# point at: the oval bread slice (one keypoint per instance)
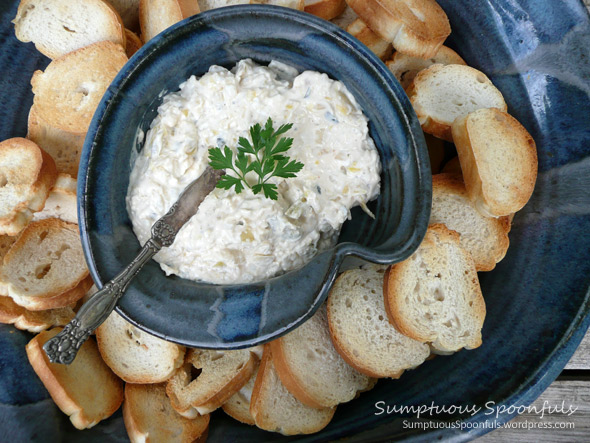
(68, 92)
(61, 202)
(157, 15)
(275, 409)
(310, 367)
(360, 330)
(442, 93)
(217, 376)
(499, 161)
(434, 296)
(33, 321)
(414, 27)
(45, 262)
(86, 390)
(149, 417)
(58, 27)
(63, 146)
(405, 67)
(135, 355)
(486, 238)
(27, 174)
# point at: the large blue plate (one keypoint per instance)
(538, 53)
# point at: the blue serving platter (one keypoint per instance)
(538, 54)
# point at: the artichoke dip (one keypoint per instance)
(240, 238)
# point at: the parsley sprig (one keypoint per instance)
(264, 156)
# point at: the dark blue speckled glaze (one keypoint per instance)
(537, 53)
(221, 316)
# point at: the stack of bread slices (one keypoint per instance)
(378, 321)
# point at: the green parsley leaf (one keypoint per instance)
(264, 156)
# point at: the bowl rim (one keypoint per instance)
(407, 117)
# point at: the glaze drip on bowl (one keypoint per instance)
(240, 238)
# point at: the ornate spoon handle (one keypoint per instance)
(64, 346)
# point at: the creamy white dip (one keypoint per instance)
(238, 238)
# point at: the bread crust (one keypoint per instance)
(371, 40)
(414, 27)
(152, 22)
(287, 377)
(59, 301)
(61, 393)
(21, 318)
(326, 9)
(133, 43)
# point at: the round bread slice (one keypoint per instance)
(381, 48)
(61, 202)
(27, 173)
(73, 296)
(135, 355)
(326, 9)
(442, 93)
(238, 405)
(360, 330)
(46, 262)
(86, 390)
(63, 146)
(33, 321)
(310, 367)
(434, 296)
(157, 15)
(499, 161)
(486, 238)
(58, 27)
(405, 67)
(415, 27)
(149, 417)
(275, 409)
(6, 242)
(68, 92)
(208, 379)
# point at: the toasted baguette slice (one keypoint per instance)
(205, 5)
(376, 44)
(27, 173)
(414, 27)
(33, 321)
(189, 7)
(86, 390)
(346, 18)
(326, 9)
(222, 374)
(293, 4)
(128, 11)
(405, 67)
(275, 409)
(134, 355)
(442, 93)
(61, 202)
(133, 43)
(499, 161)
(46, 261)
(434, 296)
(157, 15)
(452, 167)
(63, 146)
(310, 367)
(486, 238)
(69, 90)
(238, 405)
(360, 330)
(73, 296)
(149, 417)
(58, 27)
(6, 242)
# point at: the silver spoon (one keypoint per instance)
(64, 346)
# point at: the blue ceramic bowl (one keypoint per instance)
(538, 54)
(232, 316)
